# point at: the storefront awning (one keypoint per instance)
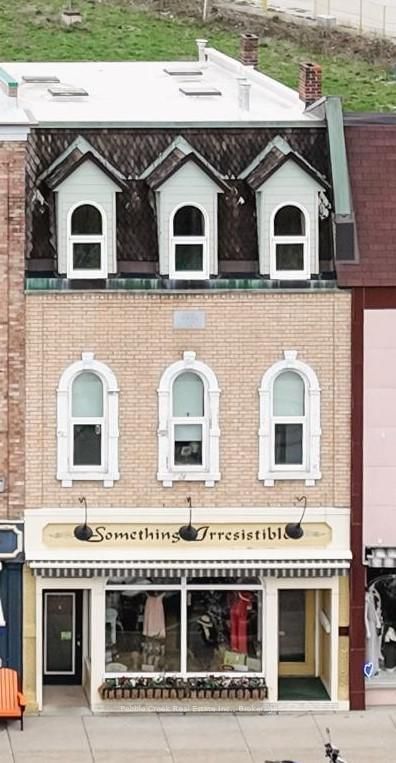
(306, 568)
(381, 557)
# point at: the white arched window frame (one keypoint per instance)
(107, 470)
(276, 240)
(208, 471)
(73, 239)
(189, 241)
(309, 470)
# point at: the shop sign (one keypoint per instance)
(230, 535)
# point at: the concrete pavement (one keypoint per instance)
(200, 738)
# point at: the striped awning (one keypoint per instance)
(306, 568)
(381, 557)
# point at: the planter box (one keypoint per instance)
(109, 692)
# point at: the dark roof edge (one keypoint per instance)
(369, 118)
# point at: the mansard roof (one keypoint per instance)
(79, 151)
(172, 159)
(272, 158)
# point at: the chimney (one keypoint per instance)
(244, 93)
(310, 82)
(201, 45)
(248, 54)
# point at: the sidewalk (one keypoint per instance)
(363, 738)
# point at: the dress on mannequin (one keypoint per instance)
(154, 617)
(239, 621)
(389, 649)
(373, 622)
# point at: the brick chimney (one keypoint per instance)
(248, 54)
(310, 82)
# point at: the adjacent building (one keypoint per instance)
(187, 517)
(14, 127)
(371, 147)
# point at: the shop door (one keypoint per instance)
(62, 629)
(296, 632)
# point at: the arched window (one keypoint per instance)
(288, 419)
(87, 420)
(289, 422)
(189, 239)
(87, 423)
(289, 243)
(188, 420)
(86, 251)
(188, 432)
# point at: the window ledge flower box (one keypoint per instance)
(211, 687)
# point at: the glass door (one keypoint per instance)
(62, 658)
(296, 632)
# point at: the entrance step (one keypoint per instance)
(58, 700)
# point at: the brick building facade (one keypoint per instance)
(188, 365)
(12, 387)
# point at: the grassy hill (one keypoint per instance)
(33, 31)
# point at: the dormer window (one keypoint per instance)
(290, 201)
(87, 257)
(85, 185)
(189, 243)
(289, 243)
(186, 191)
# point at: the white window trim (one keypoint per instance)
(288, 275)
(209, 471)
(102, 272)
(108, 471)
(189, 275)
(310, 472)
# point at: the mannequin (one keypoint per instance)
(239, 621)
(154, 616)
(374, 626)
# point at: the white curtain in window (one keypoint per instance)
(289, 395)
(87, 396)
(188, 395)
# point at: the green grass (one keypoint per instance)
(33, 32)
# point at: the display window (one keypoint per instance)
(380, 623)
(184, 628)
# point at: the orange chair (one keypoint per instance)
(12, 701)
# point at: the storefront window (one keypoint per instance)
(380, 621)
(142, 631)
(144, 627)
(223, 631)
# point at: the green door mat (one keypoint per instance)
(301, 689)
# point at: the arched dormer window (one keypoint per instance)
(289, 257)
(289, 435)
(86, 256)
(87, 413)
(189, 242)
(188, 432)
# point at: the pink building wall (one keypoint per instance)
(379, 417)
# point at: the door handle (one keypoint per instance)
(282, 633)
(78, 642)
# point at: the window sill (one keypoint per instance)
(108, 478)
(269, 478)
(209, 478)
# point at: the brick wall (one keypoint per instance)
(133, 333)
(12, 327)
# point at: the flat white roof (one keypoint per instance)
(142, 93)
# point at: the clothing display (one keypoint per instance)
(239, 621)
(154, 617)
(373, 623)
(380, 622)
(389, 649)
